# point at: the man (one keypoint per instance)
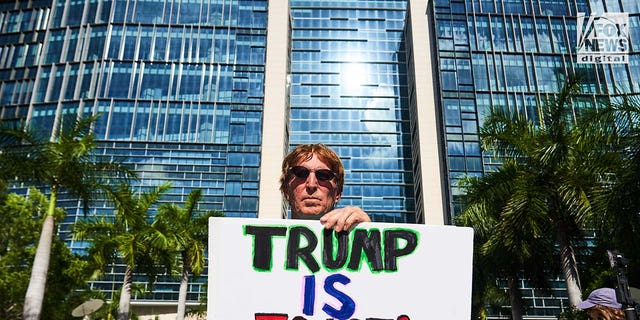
(311, 181)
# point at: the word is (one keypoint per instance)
(381, 248)
(279, 316)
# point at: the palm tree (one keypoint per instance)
(186, 229)
(65, 161)
(127, 235)
(620, 204)
(509, 241)
(559, 166)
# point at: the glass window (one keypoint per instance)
(449, 80)
(74, 13)
(114, 42)
(130, 42)
(456, 164)
(445, 34)
(612, 5)
(471, 33)
(472, 148)
(544, 40)
(121, 121)
(173, 123)
(554, 7)
(96, 42)
(175, 43)
(634, 30)
(499, 77)
(452, 112)
(499, 38)
(634, 66)
(141, 125)
(146, 40)
(558, 35)
(54, 49)
(92, 11)
(474, 164)
(72, 42)
(480, 76)
(517, 37)
(54, 94)
(531, 107)
(469, 126)
(72, 73)
(155, 81)
(631, 5)
(455, 148)
(513, 6)
(87, 75)
(483, 33)
(621, 77)
(43, 116)
(189, 12)
(120, 77)
(517, 74)
(528, 34)
(547, 72)
(7, 93)
(460, 32)
(464, 71)
(149, 11)
(488, 6)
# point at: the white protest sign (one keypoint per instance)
(262, 269)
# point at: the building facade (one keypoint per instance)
(211, 94)
(512, 55)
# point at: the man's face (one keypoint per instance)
(311, 197)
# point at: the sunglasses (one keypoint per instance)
(321, 174)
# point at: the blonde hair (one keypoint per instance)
(599, 312)
(306, 152)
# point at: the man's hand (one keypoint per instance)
(343, 219)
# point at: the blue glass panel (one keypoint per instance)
(499, 37)
(120, 77)
(121, 121)
(455, 148)
(544, 39)
(149, 11)
(54, 49)
(74, 13)
(480, 76)
(96, 42)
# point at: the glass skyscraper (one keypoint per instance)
(348, 90)
(211, 94)
(512, 55)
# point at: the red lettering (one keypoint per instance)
(271, 316)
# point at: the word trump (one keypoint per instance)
(381, 248)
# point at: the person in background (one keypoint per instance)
(311, 181)
(603, 305)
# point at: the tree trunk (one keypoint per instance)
(184, 282)
(125, 296)
(514, 298)
(37, 283)
(569, 268)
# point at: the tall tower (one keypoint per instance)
(349, 91)
(512, 55)
(180, 86)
